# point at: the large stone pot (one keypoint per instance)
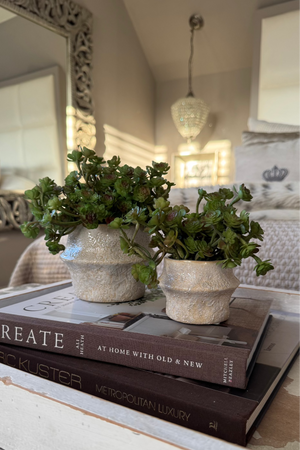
(100, 271)
(197, 292)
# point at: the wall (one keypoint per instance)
(124, 87)
(226, 93)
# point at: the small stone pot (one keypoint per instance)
(100, 271)
(197, 292)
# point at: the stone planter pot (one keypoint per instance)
(100, 271)
(197, 292)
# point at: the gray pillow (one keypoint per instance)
(252, 137)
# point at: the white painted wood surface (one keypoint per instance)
(39, 415)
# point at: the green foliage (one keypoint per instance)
(217, 233)
(98, 192)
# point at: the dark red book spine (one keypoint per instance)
(193, 406)
(206, 362)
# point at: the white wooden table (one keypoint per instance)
(39, 415)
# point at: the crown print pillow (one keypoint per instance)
(271, 162)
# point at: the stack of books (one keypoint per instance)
(216, 379)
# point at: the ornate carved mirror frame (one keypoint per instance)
(73, 22)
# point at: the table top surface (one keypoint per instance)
(45, 415)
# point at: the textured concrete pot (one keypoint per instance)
(197, 292)
(100, 271)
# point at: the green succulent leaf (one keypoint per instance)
(263, 267)
(108, 179)
(126, 171)
(249, 249)
(229, 264)
(226, 193)
(55, 247)
(140, 173)
(159, 168)
(37, 211)
(256, 232)
(114, 162)
(124, 245)
(161, 203)
(156, 182)
(174, 217)
(170, 238)
(244, 193)
(145, 274)
(232, 220)
(72, 178)
(141, 193)
(87, 153)
(125, 206)
(229, 236)
(46, 220)
(204, 250)
(193, 224)
(30, 230)
(33, 194)
(75, 156)
(47, 185)
(191, 244)
(54, 203)
(212, 217)
(123, 186)
(116, 223)
(137, 215)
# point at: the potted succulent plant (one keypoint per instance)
(202, 248)
(95, 194)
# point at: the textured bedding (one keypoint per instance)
(266, 196)
(277, 207)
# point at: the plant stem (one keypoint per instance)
(184, 247)
(140, 253)
(137, 227)
(234, 200)
(68, 213)
(160, 259)
(57, 222)
(213, 236)
(198, 203)
(257, 259)
(145, 251)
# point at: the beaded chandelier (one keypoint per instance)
(190, 114)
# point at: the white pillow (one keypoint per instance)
(263, 126)
(279, 158)
(15, 183)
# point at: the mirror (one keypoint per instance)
(45, 93)
(275, 85)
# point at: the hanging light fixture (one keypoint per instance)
(190, 114)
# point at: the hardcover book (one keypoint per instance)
(223, 412)
(137, 334)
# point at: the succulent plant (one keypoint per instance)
(98, 192)
(217, 233)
